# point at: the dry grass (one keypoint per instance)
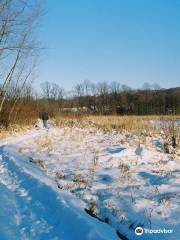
(13, 130)
(122, 123)
(68, 120)
(129, 123)
(133, 124)
(44, 142)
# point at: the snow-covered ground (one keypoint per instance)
(32, 206)
(125, 180)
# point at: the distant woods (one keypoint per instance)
(113, 98)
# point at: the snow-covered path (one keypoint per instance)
(33, 207)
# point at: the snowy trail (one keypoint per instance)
(32, 207)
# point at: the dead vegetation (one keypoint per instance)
(13, 130)
(167, 127)
(44, 142)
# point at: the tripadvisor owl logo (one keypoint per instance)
(139, 231)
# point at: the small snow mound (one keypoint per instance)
(38, 123)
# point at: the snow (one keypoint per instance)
(48, 177)
(33, 207)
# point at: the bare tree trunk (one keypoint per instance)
(18, 97)
(17, 19)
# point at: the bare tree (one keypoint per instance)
(115, 88)
(103, 94)
(17, 44)
(46, 90)
(79, 93)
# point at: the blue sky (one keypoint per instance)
(129, 41)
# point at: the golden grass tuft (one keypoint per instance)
(13, 130)
(44, 142)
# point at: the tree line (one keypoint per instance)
(114, 98)
(88, 98)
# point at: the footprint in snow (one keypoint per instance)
(115, 149)
(105, 178)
